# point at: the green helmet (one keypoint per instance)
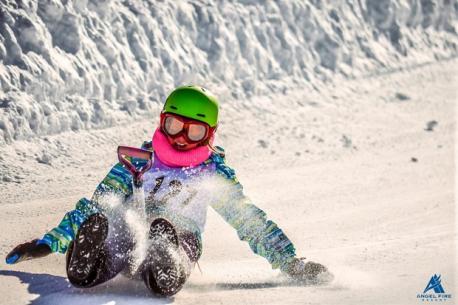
(193, 102)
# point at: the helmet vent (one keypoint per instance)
(174, 108)
(201, 115)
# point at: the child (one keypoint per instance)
(98, 248)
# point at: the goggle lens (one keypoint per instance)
(173, 126)
(196, 132)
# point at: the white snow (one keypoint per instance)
(338, 117)
(72, 65)
(382, 223)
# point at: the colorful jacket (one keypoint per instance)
(264, 237)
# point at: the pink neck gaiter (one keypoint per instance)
(176, 158)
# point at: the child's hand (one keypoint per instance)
(26, 251)
(308, 273)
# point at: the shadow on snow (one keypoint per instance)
(52, 289)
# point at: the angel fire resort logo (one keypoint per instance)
(434, 291)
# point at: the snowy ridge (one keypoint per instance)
(70, 65)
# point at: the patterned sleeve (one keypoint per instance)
(118, 180)
(264, 237)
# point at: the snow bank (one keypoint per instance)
(70, 65)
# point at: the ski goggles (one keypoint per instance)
(193, 131)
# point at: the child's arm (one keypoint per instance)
(118, 180)
(264, 237)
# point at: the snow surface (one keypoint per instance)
(354, 176)
(72, 65)
(338, 116)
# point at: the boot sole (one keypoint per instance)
(86, 248)
(161, 230)
(163, 276)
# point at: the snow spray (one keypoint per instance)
(136, 217)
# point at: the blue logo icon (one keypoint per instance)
(435, 283)
(434, 291)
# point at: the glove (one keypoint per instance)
(307, 272)
(26, 251)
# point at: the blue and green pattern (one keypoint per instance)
(118, 180)
(263, 236)
(59, 238)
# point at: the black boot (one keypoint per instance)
(163, 272)
(86, 255)
(191, 245)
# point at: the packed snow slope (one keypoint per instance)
(71, 65)
(360, 177)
